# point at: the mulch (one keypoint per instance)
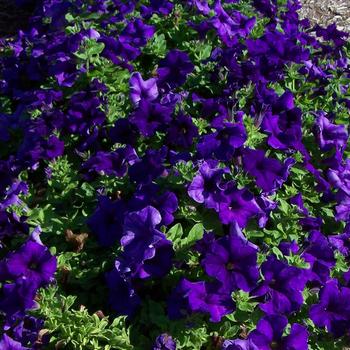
(325, 12)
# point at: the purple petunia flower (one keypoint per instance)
(164, 342)
(140, 234)
(12, 194)
(223, 143)
(230, 26)
(109, 163)
(124, 131)
(207, 186)
(269, 334)
(32, 261)
(7, 343)
(53, 148)
(166, 203)
(107, 221)
(232, 260)
(17, 297)
(11, 224)
(136, 33)
(181, 131)
(319, 254)
(239, 344)
(150, 117)
(281, 288)
(329, 135)
(157, 266)
(333, 310)
(142, 89)
(149, 167)
(174, 68)
(207, 298)
(269, 173)
(122, 296)
(238, 205)
(341, 241)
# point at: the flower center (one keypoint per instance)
(274, 345)
(230, 266)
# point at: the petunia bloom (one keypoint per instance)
(107, 221)
(333, 310)
(142, 89)
(329, 135)
(269, 173)
(232, 260)
(32, 261)
(174, 68)
(164, 342)
(207, 186)
(281, 288)
(223, 143)
(238, 205)
(207, 298)
(269, 334)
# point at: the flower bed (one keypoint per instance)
(174, 175)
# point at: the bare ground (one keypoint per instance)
(325, 12)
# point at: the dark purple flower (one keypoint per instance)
(207, 186)
(269, 334)
(12, 194)
(181, 131)
(230, 26)
(107, 221)
(164, 342)
(166, 203)
(155, 267)
(269, 173)
(333, 310)
(142, 89)
(122, 296)
(109, 163)
(136, 33)
(32, 261)
(232, 260)
(281, 288)
(319, 254)
(150, 117)
(341, 242)
(53, 148)
(18, 297)
(298, 201)
(12, 225)
(7, 343)
(120, 53)
(207, 298)
(238, 205)
(84, 111)
(140, 234)
(174, 68)
(239, 344)
(332, 33)
(149, 167)
(123, 131)
(222, 143)
(267, 205)
(161, 7)
(329, 135)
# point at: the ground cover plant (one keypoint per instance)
(174, 175)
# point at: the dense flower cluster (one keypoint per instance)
(203, 147)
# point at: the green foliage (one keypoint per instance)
(77, 329)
